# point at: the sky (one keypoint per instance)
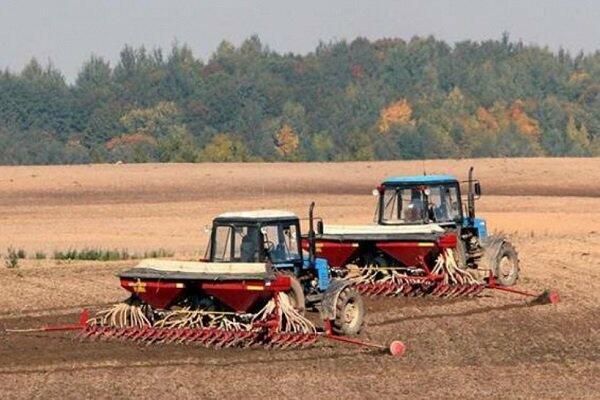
(68, 32)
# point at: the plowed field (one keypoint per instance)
(492, 346)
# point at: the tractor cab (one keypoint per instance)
(256, 236)
(274, 237)
(268, 236)
(426, 199)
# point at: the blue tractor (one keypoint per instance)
(274, 237)
(437, 200)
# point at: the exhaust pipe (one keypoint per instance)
(311, 234)
(471, 196)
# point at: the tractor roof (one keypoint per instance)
(257, 215)
(419, 179)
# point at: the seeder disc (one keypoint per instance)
(397, 348)
(554, 297)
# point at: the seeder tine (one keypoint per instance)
(216, 335)
(416, 291)
(479, 289)
(117, 333)
(384, 290)
(301, 339)
(449, 290)
(139, 334)
(225, 338)
(87, 332)
(402, 289)
(453, 290)
(247, 338)
(181, 332)
(236, 337)
(441, 290)
(290, 340)
(391, 290)
(375, 290)
(171, 335)
(278, 341)
(272, 341)
(147, 335)
(475, 290)
(185, 335)
(129, 333)
(106, 334)
(193, 335)
(298, 340)
(472, 290)
(463, 290)
(309, 340)
(203, 336)
(460, 290)
(102, 333)
(123, 333)
(378, 290)
(154, 336)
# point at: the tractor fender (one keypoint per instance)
(330, 297)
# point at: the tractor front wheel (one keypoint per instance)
(349, 312)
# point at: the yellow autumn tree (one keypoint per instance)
(501, 116)
(526, 125)
(286, 141)
(578, 77)
(155, 121)
(486, 119)
(578, 137)
(397, 113)
(224, 148)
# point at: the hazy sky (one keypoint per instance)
(68, 31)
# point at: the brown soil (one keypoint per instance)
(496, 345)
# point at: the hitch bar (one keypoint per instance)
(545, 297)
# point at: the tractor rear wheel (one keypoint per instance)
(506, 265)
(349, 312)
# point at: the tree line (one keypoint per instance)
(358, 100)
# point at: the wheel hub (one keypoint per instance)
(506, 267)
(350, 312)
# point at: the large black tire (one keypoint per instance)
(506, 265)
(296, 293)
(349, 312)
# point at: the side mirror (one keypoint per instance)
(319, 227)
(477, 188)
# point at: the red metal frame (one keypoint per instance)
(551, 296)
